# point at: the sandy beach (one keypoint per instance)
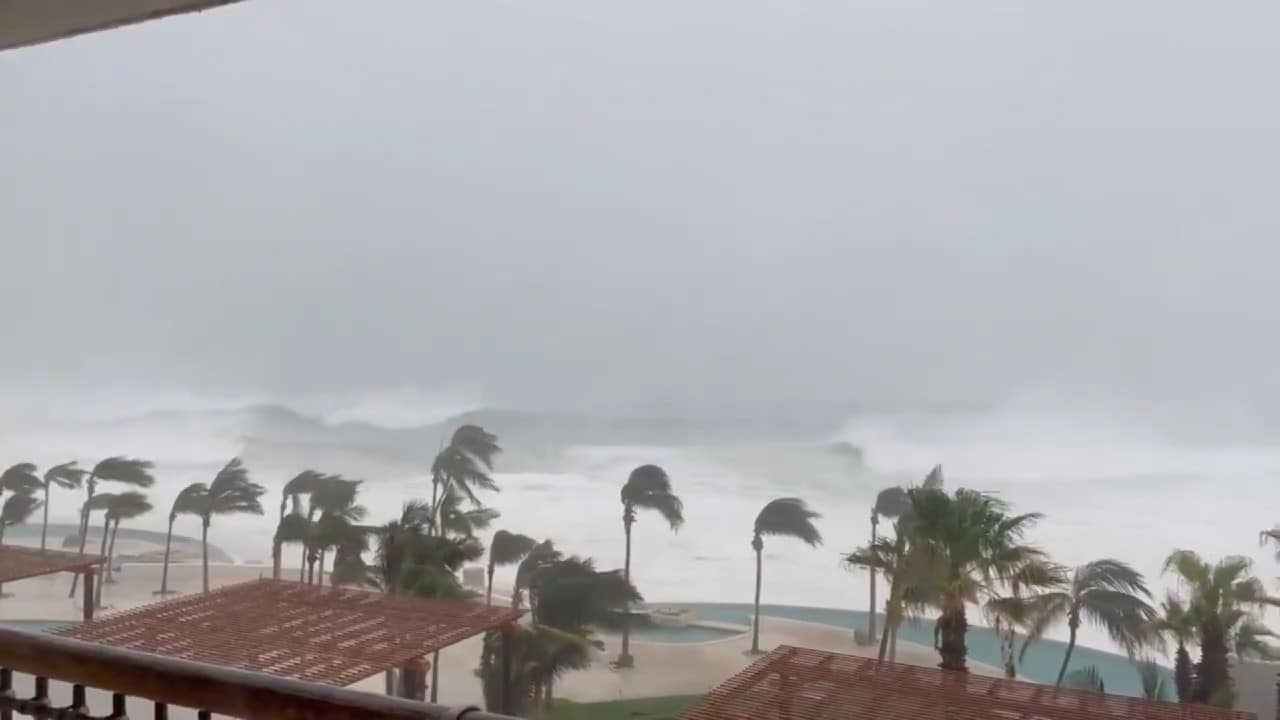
(661, 668)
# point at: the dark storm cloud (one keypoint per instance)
(718, 205)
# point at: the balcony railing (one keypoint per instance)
(165, 682)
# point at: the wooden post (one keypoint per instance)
(89, 599)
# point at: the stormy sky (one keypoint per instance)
(738, 205)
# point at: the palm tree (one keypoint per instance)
(118, 506)
(465, 464)
(291, 526)
(544, 553)
(539, 655)
(1223, 599)
(17, 509)
(1107, 593)
(968, 546)
(190, 501)
(648, 487)
(785, 517)
(891, 502)
(1176, 623)
(66, 476)
(506, 548)
(20, 479)
(1021, 607)
(332, 508)
(130, 471)
(230, 493)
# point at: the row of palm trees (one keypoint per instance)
(950, 551)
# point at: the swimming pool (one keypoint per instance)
(1040, 664)
(688, 634)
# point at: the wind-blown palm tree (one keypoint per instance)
(464, 464)
(130, 471)
(190, 501)
(506, 548)
(17, 509)
(1176, 623)
(20, 479)
(544, 553)
(968, 546)
(647, 488)
(292, 524)
(784, 517)
(1108, 593)
(117, 507)
(1154, 686)
(230, 493)
(1033, 589)
(1222, 598)
(892, 503)
(332, 511)
(461, 522)
(66, 476)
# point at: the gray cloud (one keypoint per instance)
(732, 206)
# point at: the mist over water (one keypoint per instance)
(1110, 484)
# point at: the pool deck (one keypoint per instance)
(662, 668)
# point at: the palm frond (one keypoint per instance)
(66, 476)
(1154, 686)
(1251, 641)
(508, 548)
(892, 502)
(191, 500)
(789, 517)
(17, 509)
(127, 505)
(21, 478)
(130, 471)
(1086, 678)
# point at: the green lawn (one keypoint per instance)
(659, 708)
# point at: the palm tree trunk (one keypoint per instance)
(1183, 676)
(276, 548)
(1072, 626)
(204, 554)
(952, 627)
(2, 528)
(320, 572)
(102, 552)
(624, 658)
(893, 641)
(111, 551)
(302, 565)
(84, 532)
(1214, 674)
(890, 627)
(44, 527)
(755, 619)
(871, 615)
(488, 592)
(168, 544)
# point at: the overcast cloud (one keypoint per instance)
(703, 206)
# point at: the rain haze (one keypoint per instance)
(1035, 243)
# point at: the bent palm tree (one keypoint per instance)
(892, 503)
(1107, 593)
(190, 501)
(506, 548)
(332, 507)
(118, 506)
(542, 554)
(230, 493)
(784, 517)
(304, 483)
(647, 488)
(66, 476)
(16, 510)
(130, 471)
(1022, 607)
(1222, 599)
(459, 522)
(464, 464)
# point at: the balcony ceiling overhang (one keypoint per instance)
(31, 22)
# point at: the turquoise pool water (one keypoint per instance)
(657, 633)
(1040, 664)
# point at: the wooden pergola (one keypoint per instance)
(793, 683)
(332, 636)
(20, 563)
(30, 22)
